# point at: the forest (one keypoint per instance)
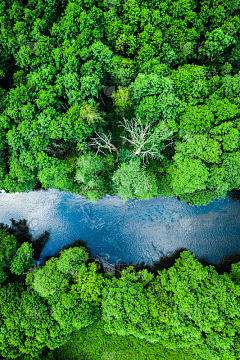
(134, 98)
(68, 309)
(131, 98)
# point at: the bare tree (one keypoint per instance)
(103, 141)
(140, 138)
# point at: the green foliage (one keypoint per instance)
(124, 155)
(132, 181)
(108, 162)
(121, 100)
(125, 307)
(194, 302)
(235, 272)
(23, 259)
(89, 285)
(209, 132)
(8, 250)
(2, 172)
(176, 62)
(71, 163)
(217, 42)
(48, 281)
(54, 176)
(72, 261)
(191, 83)
(203, 197)
(154, 97)
(89, 114)
(71, 288)
(88, 166)
(26, 323)
(187, 310)
(94, 343)
(196, 119)
(19, 78)
(88, 172)
(188, 174)
(122, 70)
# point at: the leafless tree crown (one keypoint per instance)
(139, 138)
(103, 141)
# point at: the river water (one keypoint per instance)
(125, 232)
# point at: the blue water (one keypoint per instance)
(144, 231)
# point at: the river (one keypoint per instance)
(125, 232)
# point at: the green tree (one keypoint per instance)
(187, 174)
(194, 303)
(23, 259)
(72, 261)
(216, 43)
(88, 173)
(48, 280)
(26, 324)
(191, 83)
(56, 57)
(71, 288)
(52, 172)
(125, 307)
(89, 114)
(121, 100)
(155, 98)
(131, 180)
(8, 250)
(3, 172)
(89, 285)
(200, 168)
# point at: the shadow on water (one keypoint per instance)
(20, 229)
(234, 195)
(38, 187)
(165, 262)
(76, 243)
(224, 265)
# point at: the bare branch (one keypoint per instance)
(103, 141)
(140, 138)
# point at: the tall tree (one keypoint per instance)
(131, 180)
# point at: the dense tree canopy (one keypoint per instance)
(41, 306)
(172, 62)
(173, 65)
(187, 308)
(187, 305)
